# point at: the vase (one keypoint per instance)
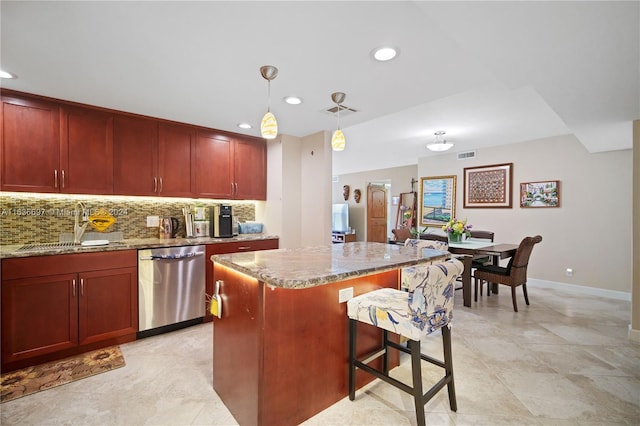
(455, 238)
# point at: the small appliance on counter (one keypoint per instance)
(221, 217)
(168, 227)
(201, 218)
(188, 221)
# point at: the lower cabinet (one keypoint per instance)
(56, 306)
(231, 247)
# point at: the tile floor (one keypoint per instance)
(564, 360)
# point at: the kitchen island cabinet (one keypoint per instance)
(56, 306)
(280, 351)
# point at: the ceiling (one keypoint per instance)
(487, 73)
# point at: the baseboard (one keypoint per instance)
(634, 335)
(612, 294)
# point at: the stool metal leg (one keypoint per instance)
(385, 356)
(448, 367)
(353, 324)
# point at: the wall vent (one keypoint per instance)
(466, 155)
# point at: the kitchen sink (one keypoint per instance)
(47, 246)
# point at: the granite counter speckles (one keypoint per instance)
(15, 250)
(313, 266)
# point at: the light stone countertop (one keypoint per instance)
(313, 266)
(16, 250)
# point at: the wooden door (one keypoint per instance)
(213, 170)
(135, 159)
(176, 154)
(39, 316)
(376, 213)
(108, 304)
(29, 145)
(250, 170)
(86, 151)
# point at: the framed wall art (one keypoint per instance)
(540, 194)
(437, 200)
(488, 186)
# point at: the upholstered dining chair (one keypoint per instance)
(425, 308)
(513, 275)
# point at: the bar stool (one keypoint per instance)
(425, 308)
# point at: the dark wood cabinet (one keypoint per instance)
(176, 160)
(30, 145)
(55, 306)
(231, 168)
(231, 247)
(135, 162)
(86, 148)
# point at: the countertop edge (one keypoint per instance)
(13, 251)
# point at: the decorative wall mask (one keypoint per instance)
(345, 192)
(356, 195)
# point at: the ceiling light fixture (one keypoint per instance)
(5, 74)
(293, 100)
(338, 141)
(383, 54)
(439, 144)
(269, 124)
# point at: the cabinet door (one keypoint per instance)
(108, 304)
(29, 145)
(250, 170)
(214, 173)
(87, 152)
(39, 316)
(135, 160)
(176, 154)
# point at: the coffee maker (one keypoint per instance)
(221, 221)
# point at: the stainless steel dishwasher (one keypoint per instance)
(171, 288)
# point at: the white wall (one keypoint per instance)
(591, 230)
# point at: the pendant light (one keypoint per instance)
(439, 144)
(269, 125)
(338, 141)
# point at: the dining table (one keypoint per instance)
(476, 247)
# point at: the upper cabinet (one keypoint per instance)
(230, 168)
(56, 146)
(86, 151)
(30, 145)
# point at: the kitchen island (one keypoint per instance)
(280, 348)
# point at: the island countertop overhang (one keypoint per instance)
(318, 265)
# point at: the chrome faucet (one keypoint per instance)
(78, 230)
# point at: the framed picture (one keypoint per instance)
(437, 200)
(488, 186)
(540, 194)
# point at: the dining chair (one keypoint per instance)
(435, 237)
(413, 314)
(401, 234)
(513, 275)
(479, 260)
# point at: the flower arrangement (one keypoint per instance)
(455, 228)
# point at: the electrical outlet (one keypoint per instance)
(569, 272)
(153, 221)
(345, 294)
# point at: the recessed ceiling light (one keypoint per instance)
(293, 100)
(5, 74)
(384, 53)
(244, 125)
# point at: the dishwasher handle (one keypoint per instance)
(172, 256)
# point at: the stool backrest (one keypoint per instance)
(431, 289)
(432, 244)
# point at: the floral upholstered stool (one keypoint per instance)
(425, 308)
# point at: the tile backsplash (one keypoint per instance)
(41, 218)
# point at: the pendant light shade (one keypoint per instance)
(439, 144)
(269, 124)
(338, 141)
